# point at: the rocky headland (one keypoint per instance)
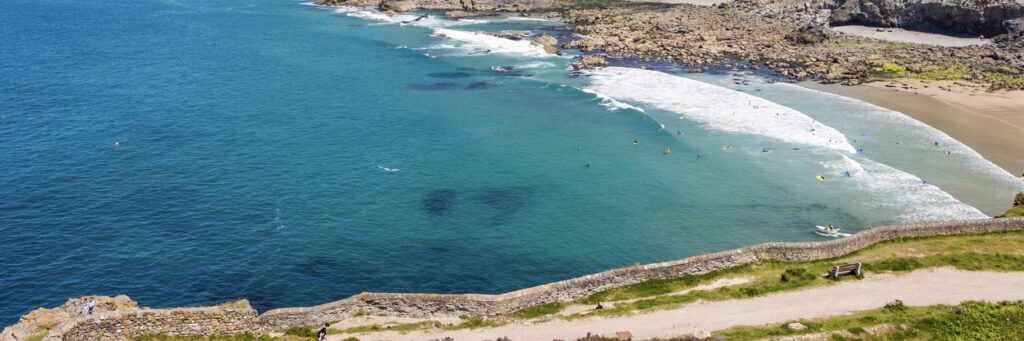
(795, 39)
(792, 37)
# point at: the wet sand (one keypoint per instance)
(990, 123)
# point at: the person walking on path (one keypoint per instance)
(322, 334)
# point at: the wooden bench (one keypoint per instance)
(844, 270)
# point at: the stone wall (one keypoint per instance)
(425, 305)
(239, 317)
(232, 318)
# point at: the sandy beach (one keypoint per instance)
(908, 36)
(990, 123)
(919, 288)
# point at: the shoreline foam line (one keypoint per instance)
(716, 107)
(981, 162)
(723, 109)
(891, 187)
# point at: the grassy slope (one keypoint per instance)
(997, 251)
(967, 321)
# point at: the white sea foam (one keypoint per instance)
(879, 116)
(612, 104)
(715, 107)
(431, 21)
(891, 188)
(526, 19)
(470, 43)
(871, 184)
(536, 65)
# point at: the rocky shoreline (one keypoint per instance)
(791, 37)
(796, 41)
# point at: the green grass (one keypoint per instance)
(301, 332)
(397, 327)
(967, 321)
(978, 252)
(540, 310)
(889, 69)
(239, 337)
(994, 251)
(38, 336)
(471, 322)
(1017, 210)
(1008, 78)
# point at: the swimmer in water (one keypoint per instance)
(668, 150)
(679, 132)
(117, 144)
(846, 174)
(636, 142)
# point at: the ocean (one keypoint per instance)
(189, 152)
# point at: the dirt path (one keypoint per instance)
(913, 37)
(919, 288)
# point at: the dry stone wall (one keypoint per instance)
(425, 305)
(239, 317)
(232, 318)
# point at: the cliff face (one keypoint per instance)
(987, 17)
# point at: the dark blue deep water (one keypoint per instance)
(293, 155)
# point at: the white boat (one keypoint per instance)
(830, 231)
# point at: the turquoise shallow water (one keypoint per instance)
(292, 155)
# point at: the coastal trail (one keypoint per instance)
(940, 286)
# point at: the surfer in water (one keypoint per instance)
(636, 142)
(117, 144)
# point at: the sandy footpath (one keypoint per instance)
(990, 123)
(913, 37)
(919, 288)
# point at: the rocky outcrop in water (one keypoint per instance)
(547, 42)
(589, 62)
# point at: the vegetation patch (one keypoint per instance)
(977, 252)
(239, 337)
(967, 321)
(540, 310)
